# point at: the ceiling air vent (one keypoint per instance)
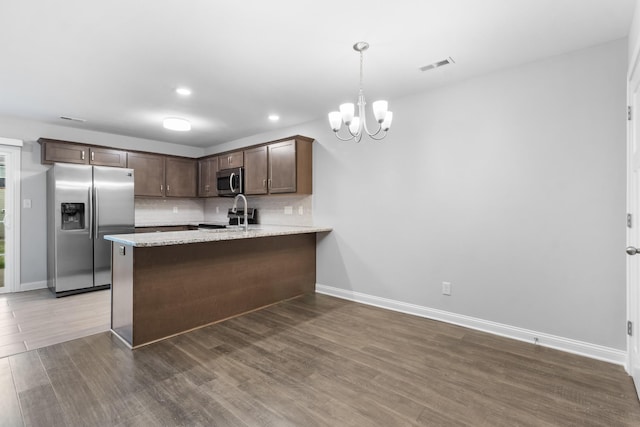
(73, 119)
(438, 64)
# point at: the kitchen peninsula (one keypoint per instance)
(165, 284)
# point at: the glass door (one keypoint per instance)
(3, 213)
(10, 150)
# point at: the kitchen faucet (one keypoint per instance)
(234, 209)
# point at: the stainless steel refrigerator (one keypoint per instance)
(84, 203)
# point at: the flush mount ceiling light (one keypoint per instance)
(274, 117)
(175, 123)
(184, 91)
(357, 126)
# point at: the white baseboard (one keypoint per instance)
(22, 287)
(594, 351)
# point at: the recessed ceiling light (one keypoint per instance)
(175, 123)
(184, 91)
(274, 117)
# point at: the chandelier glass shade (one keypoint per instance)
(357, 125)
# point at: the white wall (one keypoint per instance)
(511, 186)
(33, 237)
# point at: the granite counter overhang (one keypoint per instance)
(200, 236)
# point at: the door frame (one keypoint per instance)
(12, 149)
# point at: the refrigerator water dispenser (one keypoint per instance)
(72, 216)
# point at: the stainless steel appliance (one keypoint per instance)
(84, 203)
(229, 182)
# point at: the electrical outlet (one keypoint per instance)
(217, 209)
(300, 210)
(26, 203)
(288, 210)
(446, 288)
(175, 209)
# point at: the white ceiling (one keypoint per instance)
(117, 63)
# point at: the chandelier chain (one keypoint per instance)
(361, 68)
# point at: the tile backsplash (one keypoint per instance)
(150, 212)
(276, 210)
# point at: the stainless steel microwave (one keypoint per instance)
(230, 182)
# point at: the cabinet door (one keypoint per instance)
(66, 153)
(255, 170)
(181, 177)
(148, 173)
(282, 167)
(107, 157)
(231, 160)
(207, 169)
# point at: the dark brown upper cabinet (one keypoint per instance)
(280, 167)
(231, 160)
(180, 177)
(66, 152)
(54, 150)
(107, 157)
(157, 176)
(148, 172)
(207, 169)
(255, 170)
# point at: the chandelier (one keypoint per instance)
(357, 125)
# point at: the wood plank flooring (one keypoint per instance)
(35, 319)
(314, 361)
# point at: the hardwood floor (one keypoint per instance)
(314, 361)
(34, 319)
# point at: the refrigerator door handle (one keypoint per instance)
(90, 214)
(97, 220)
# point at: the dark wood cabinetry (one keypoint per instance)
(107, 157)
(255, 170)
(72, 152)
(180, 177)
(158, 176)
(279, 167)
(207, 169)
(282, 166)
(231, 160)
(66, 152)
(148, 172)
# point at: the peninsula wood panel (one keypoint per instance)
(182, 287)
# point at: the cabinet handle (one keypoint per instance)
(93, 156)
(206, 188)
(161, 188)
(82, 157)
(264, 183)
(269, 183)
(167, 188)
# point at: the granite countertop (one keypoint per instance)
(213, 235)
